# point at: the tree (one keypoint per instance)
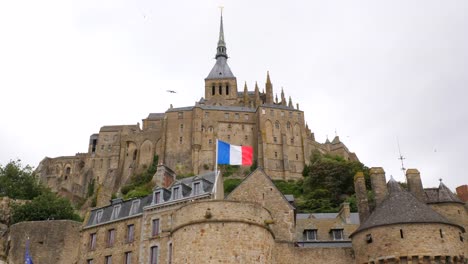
(18, 182)
(43, 207)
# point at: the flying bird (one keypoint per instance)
(171, 91)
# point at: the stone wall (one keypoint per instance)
(288, 253)
(50, 241)
(222, 232)
(118, 249)
(455, 212)
(258, 188)
(421, 240)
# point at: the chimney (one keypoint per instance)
(462, 192)
(361, 196)
(379, 184)
(345, 213)
(163, 177)
(413, 178)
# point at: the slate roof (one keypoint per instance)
(441, 195)
(220, 70)
(152, 116)
(207, 183)
(117, 128)
(354, 216)
(401, 207)
(215, 107)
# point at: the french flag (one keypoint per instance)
(234, 155)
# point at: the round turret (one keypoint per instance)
(222, 232)
(404, 229)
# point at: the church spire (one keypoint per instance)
(221, 49)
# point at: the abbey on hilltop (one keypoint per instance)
(184, 138)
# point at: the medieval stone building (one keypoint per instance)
(185, 138)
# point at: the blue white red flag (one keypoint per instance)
(234, 155)
(27, 257)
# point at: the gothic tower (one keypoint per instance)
(221, 84)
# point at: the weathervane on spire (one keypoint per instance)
(221, 8)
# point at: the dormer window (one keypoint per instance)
(176, 193)
(135, 206)
(116, 212)
(157, 197)
(310, 234)
(98, 217)
(337, 234)
(196, 188)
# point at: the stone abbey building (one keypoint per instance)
(184, 138)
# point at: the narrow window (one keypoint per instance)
(401, 233)
(210, 141)
(227, 89)
(175, 193)
(369, 238)
(277, 126)
(236, 115)
(154, 255)
(170, 253)
(275, 139)
(180, 140)
(310, 234)
(292, 141)
(220, 90)
(441, 233)
(181, 127)
(157, 197)
(196, 188)
(297, 156)
(110, 237)
(135, 207)
(135, 152)
(276, 154)
(246, 137)
(229, 126)
(92, 241)
(108, 260)
(155, 227)
(461, 237)
(130, 233)
(128, 257)
(115, 212)
(213, 90)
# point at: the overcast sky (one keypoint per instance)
(374, 71)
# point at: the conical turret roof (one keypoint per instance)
(441, 195)
(401, 207)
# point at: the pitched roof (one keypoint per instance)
(401, 207)
(441, 195)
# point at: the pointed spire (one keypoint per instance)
(221, 50)
(276, 98)
(290, 104)
(257, 95)
(246, 95)
(283, 98)
(269, 90)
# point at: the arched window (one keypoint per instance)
(288, 125)
(67, 171)
(135, 154)
(277, 125)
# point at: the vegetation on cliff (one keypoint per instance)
(19, 182)
(140, 185)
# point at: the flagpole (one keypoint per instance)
(216, 169)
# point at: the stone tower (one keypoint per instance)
(221, 84)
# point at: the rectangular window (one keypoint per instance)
(108, 260)
(236, 116)
(337, 234)
(310, 234)
(180, 115)
(115, 212)
(110, 237)
(246, 117)
(128, 258)
(175, 193)
(135, 207)
(276, 154)
(157, 197)
(282, 113)
(210, 141)
(196, 188)
(130, 233)
(98, 217)
(181, 127)
(154, 255)
(155, 227)
(92, 241)
(246, 137)
(169, 261)
(90, 261)
(275, 139)
(180, 140)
